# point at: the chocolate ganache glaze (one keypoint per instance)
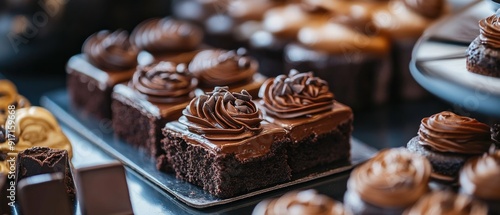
(166, 35)
(490, 31)
(110, 51)
(428, 8)
(479, 177)
(302, 202)
(164, 82)
(295, 95)
(393, 178)
(447, 203)
(221, 67)
(222, 115)
(448, 132)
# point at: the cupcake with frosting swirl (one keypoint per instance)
(448, 140)
(480, 178)
(446, 202)
(388, 183)
(483, 53)
(300, 202)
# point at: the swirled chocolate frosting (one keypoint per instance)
(165, 82)
(428, 8)
(393, 178)
(222, 115)
(300, 202)
(479, 176)
(295, 95)
(110, 51)
(447, 203)
(166, 35)
(489, 29)
(223, 68)
(9, 96)
(448, 132)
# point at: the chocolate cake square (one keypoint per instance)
(41, 160)
(221, 145)
(318, 127)
(44, 194)
(107, 59)
(155, 95)
(103, 189)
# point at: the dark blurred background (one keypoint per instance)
(37, 37)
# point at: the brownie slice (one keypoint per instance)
(222, 145)
(107, 59)
(227, 174)
(318, 127)
(41, 160)
(141, 108)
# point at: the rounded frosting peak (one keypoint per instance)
(222, 115)
(295, 95)
(110, 51)
(166, 35)
(219, 67)
(428, 8)
(300, 202)
(165, 82)
(479, 176)
(447, 203)
(490, 31)
(393, 178)
(448, 132)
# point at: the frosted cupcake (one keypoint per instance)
(388, 183)
(300, 202)
(484, 52)
(443, 202)
(480, 178)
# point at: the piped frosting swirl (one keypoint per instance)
(221, 67)
(296, 95)
(166, 35)
(300, 202)
(110, 51)
(448, 132)
(479, 176)
(165, 82)
(222, 115)
(428, 8)
(447, 203)
(393, 178)
(489, 29)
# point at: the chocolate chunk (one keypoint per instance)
(41, 160)
(103, 189)
(44, 194)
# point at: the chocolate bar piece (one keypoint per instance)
(44, 194)
(103, 189)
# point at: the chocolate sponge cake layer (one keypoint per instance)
(446, 164)
(87, 96)
(482, 59)
(225, 174)
(317, 150)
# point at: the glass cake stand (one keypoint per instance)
(439, 63)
